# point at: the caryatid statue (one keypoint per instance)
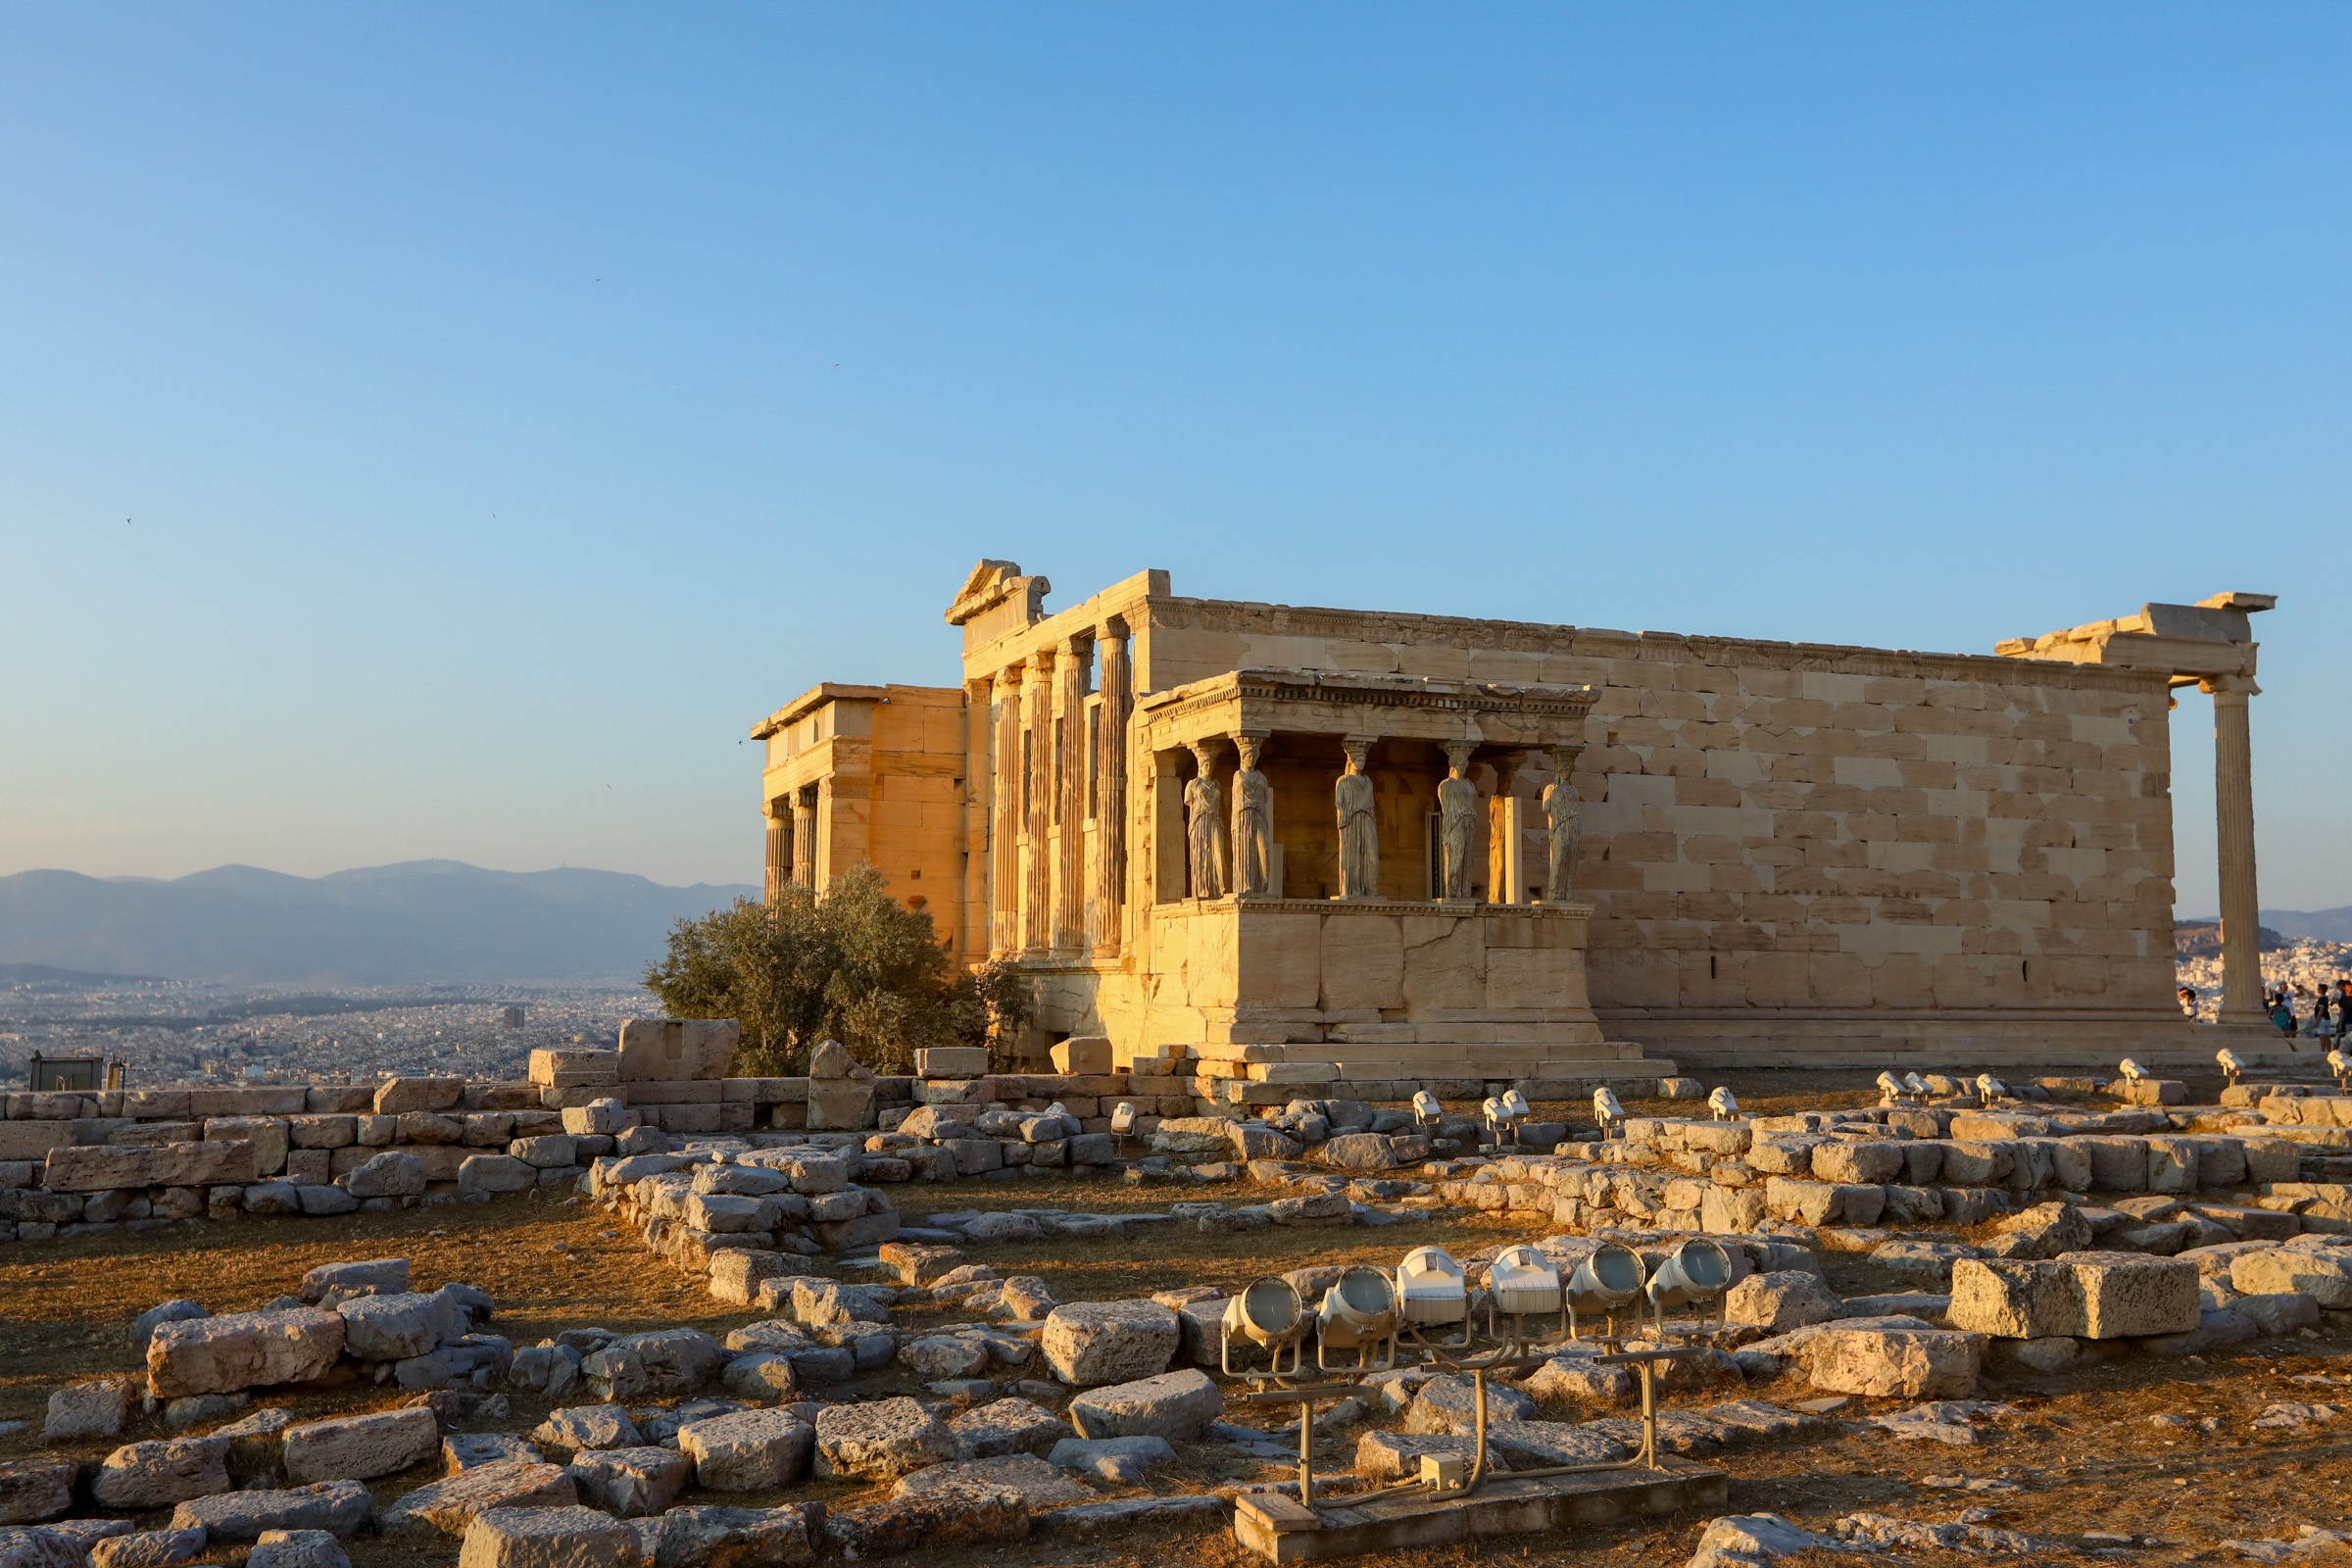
(1359, 828)
(1457, 820)
(1204, 806)
(1564, 831)
(1253, 823)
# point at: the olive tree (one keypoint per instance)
(850, 963)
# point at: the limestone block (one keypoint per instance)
(148, 1548)
(1780, 1302)
(399, 1095)
(82, 1411)
(155, 1475)
(361, 1448)
(390, 1174)
(34, 1490)
(574, 1067)
(588, 1426)
(1038, 1483)
(1082, 1053)
(375, 1275)
(630, 1482)
(241, 1351)
(2171, 1164)
(881, 1439)
(1907, 1363)
(1176, 1406)
(497, 1173)
(1978, 1164)
(449, 1506)
(338, 1507)
(670, 1361)
(703, 1537)
(1852, 1160)
(952, 1061)
(602, 1118)
(297, 1548)
(1449, 1404)
(947, 1517)
(269, 1136)
(840, 1103)
(2044, 1231)
(750, 1451)
(1009, 1424)
(561, 1536)
(672, 1050)
(393, 1328)
(1091, 1344)
(2325, 1277)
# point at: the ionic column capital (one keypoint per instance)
(2236, 688)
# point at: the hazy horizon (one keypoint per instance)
(441, 432)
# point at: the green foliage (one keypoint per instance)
(852, 964)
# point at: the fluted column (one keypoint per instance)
(1069, 797)
(1036, 787)
(803, 835)
(778, 860)
(1004, 815)
(1110, 792)
(2233, 842)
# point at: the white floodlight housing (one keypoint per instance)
(1426, 1107)
(2131, 1070)
(1058, 1108)
(1698, 1272)
(1515, 1106)
(1268, 1315)
(1604, 1281)
(1429, 1289)
(2340, 1065)
(1890, 1088)
(1723, 1103)
(1916, 1084)
(2231, 1066)
(1606, 1108)
(1359, 1314)
(1522, 1281)
(1989, 1088)
(1491, 1109)
(1122, 1117)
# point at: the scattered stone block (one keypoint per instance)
(588, 1426)
(34, 1489)
(467, 1450)
(82, 1411)
(561, 1537)
(361, 1448)
(241, 1351)
(941, 1518)
(1451, 1404)
(1176, 1406)
(297, 1548)
(156, 1474)
(395, 1327)
(1907, 1363)
(1091, 1344)
(1038, 1483)
(143, 1326)
(338, 1507)
(751, 1450)
(1011, 1425)
(881, 1439)
(1782, 1300)
(1387, 1456)
(148, 1548)
(450, 1504)
(2325, 1277)
(630, 1482)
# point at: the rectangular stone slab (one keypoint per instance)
(1502, 1507)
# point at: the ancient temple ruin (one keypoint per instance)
(1305, 846)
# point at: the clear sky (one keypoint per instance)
(443, 431)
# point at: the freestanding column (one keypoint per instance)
(1110, 789)
(1069, 795)
(1004, 815)
(1037, 793)
(803, 836)
(2234, 813)
(780, 847)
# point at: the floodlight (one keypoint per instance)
(2231, 1066)
(1359, 1314)
(1513, 1105)
(1723, 1103)
(1426, 1107)
(1522, 1281)
(1430, 1287)
(1122, 1117)
(1606, 1108)
(1916, 1084)
(1890, 1090)
(1698, 1272)
(1266, 1314)
(1604, 1281)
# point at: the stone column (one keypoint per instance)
(1205, 825)
(1457, 822)
(1037, 786)
(803, 835)
(780, 847)
(1069, 795)
(1004, 815)
(1359, 825)
(1253, 823)
(1110, 792)
(2233, 812)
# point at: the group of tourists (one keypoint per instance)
(2297, 1009)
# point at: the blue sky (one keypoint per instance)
(510, 403)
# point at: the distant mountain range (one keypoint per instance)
(418, 922)
(2322, 925)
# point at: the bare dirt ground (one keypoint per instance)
(2084, 1450)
